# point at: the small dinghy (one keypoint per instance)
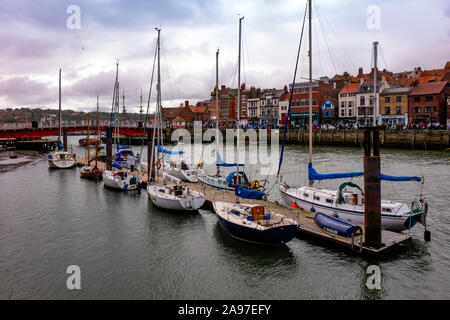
(254, 223)
(175, 196)
(337, 226)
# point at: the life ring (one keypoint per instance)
(158, 164)
(255, 184)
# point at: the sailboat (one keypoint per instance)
(237, 180)
(61, 159)
(119, 179)
(255, 223)
(344, 203)
(171, 195)
(178, 168)
(91, 171)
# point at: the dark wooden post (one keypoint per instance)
(109, 149)
(65, 139)
(372, 188)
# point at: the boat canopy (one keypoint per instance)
(230, 177)
(314, 175)
(248, 194)
(219, 162)
(341, 199)
(160, 149)
(119, 155)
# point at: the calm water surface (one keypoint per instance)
(126, 248)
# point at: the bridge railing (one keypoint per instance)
(70, 124)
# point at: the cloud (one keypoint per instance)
(36, 43)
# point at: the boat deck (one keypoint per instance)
(390, 239)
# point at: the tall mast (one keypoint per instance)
(217, 92)
(310, 85)
(59, 115)
(239, 93)
(375, 111)
(217, 109)
(158, 98)
(87, 139)
(97, 142)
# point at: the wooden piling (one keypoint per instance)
(372, 188)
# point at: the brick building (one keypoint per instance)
(427, 102)
(321, 90)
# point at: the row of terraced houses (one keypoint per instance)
(410, 97)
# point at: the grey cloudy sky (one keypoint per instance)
(36, 43)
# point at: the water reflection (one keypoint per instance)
(249, 256)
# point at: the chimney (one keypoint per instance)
(285, 88)
(361, 80)
(360, 72)
(186, 103)
(222, 88)
(243, 87)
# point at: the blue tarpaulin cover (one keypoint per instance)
(248, 194)
(314, 175)
(160, 149)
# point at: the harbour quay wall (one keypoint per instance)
(408, 139)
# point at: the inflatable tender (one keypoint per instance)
(337, 226)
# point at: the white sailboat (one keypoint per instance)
(171, 195)
(344, 203)
(61, 159)
(119, 179)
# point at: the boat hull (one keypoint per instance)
(390, 222)
(272, 236)
(215, 186)
(91, 174)
(61, 164)
(115, 182)
(184, 204)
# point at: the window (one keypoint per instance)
(429, 98)
(328, 200)
(428, 109)
(416, 109)
(386, 209)
(317, 198)
(303, 102)
(314, 101)
(350, 112)
(398, 110)
(306, 195)
(387, 110)
(342, 112)
(416, 99)
(350, 104)
(362, 101)
(387, 99)
(314, 88)
(398, 99)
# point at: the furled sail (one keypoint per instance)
(220, 163)
(314, 175)
(160, 149)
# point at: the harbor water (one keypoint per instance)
(128, 249)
